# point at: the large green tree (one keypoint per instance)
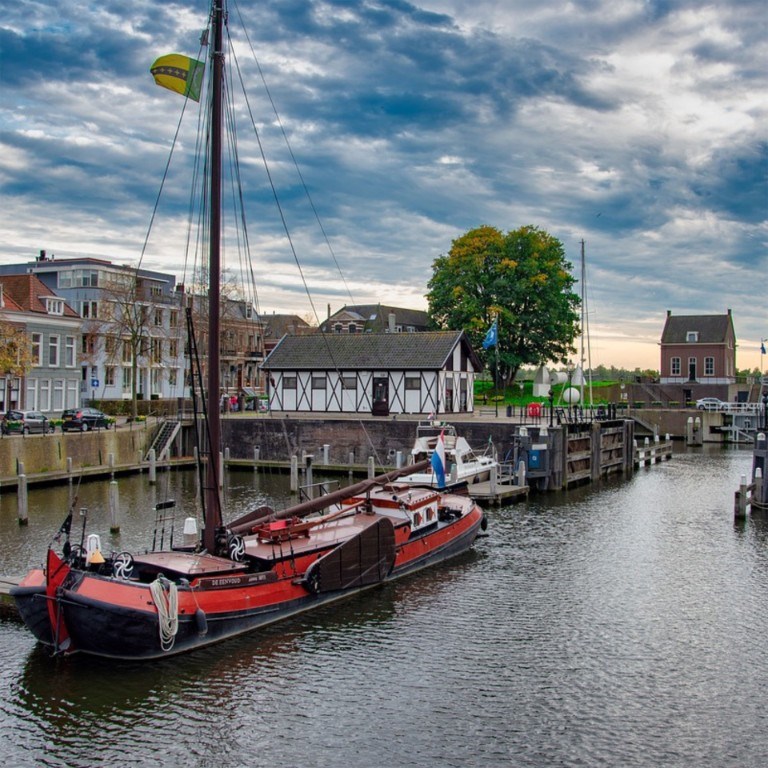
(523, 279)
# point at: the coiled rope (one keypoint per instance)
(166, 598)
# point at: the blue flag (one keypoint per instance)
(438, 460)
(762, 347)
(492, 337)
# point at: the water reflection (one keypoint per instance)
(613, 625)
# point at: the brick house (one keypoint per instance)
(698, 349)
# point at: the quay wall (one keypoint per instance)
(49, 453)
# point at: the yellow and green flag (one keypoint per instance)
(179, 73)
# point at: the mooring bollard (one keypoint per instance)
(758, 491)
(22, 500)
(371, 468)
(740, 500)
(114, 507)
(399, 459)
(294, 474)
(69, 469)
(521, 474)
(326, 454)
(152, 467)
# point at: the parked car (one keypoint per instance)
(711, 404)
(83, 419)
(26, 422)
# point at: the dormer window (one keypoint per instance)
(54, 306)
(692, 336)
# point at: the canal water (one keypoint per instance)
(623, 624)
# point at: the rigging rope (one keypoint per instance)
(165, 595)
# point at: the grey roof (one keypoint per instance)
(367, 351)
(376, 316)
(712, 329)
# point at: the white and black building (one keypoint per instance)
(373, 373)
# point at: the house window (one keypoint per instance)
(289, 382)
(69, 351)
(349, 382)
(318, 382)
(412, 382)
(351, 328)
(709, 366)
(127, 378)
(173, 319)
(157, 350)
(45, 395)
(155, 290)
(54, 306)
(173, 348)
(338, 328)
(37, 349)
(89, 309)
(692, 336)
(58, 394)
(172, 377)
(127, 356)
(410, 328)
(53, 350)
(158, 317)
(109, 376)
(675, 366)
(65, 279)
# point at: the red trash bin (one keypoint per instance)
(534, 409)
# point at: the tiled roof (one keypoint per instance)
(28, 292)
(276, 326)
(367, 351)
(712, 329)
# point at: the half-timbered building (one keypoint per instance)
(373, 373)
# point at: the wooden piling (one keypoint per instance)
(22, 500)
(114, 507)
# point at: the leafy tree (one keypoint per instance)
(521, 278)
(15, 349)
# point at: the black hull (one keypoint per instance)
(32, 606)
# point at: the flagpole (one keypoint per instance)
(496, 399)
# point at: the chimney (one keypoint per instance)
(329, 310)
(41, 257)
(391, 320)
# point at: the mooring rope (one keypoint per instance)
(165, 595)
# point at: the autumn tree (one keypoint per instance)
(15, 349)
(520, 278)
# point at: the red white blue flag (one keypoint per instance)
(438, 460)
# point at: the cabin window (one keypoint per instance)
(348, 382)
(289, 382)
(692, 336)
(709, 366)
(675, 366)
(412, 382)
(318, 382)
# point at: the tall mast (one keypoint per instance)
(212, 497)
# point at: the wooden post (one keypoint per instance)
(294, 474)
(256, 457)
(221, 469)
(757, 493)
(308, 476)
(152, 467)
(22, 500)
(521, 480)
(114, 507)
(371, 468)
(326, 454)
(494, 479)
(399, 459)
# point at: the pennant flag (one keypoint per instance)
(179, 73)
(492, 337)
(438, 460)
(762, 347)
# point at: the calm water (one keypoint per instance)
(624, 625)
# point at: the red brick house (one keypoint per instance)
(698, 348)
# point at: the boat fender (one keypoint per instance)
(484, 523)
(201, 622)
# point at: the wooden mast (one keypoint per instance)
(213, 515)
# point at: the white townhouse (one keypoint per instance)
(53, 331)
(373, 373)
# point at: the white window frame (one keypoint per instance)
(54, 350)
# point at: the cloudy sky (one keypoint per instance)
(637, 127)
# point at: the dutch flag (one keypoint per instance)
(438, 460)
